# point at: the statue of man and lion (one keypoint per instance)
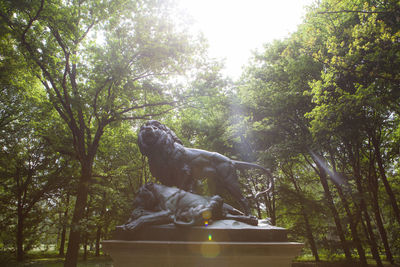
(178, 169)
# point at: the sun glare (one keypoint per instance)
(236, 27)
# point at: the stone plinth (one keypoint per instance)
(224, 243)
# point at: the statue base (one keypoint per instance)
(224, 243)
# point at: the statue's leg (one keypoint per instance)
(187, 184)
(233, 187)
(227, 177)
(186, 179)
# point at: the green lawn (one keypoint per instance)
(55, 261)
(51, 259)
(89, 263)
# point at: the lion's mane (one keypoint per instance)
(164, 151)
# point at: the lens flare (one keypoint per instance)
(210, 249)
(206, 214)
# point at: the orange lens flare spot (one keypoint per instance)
(206, 215)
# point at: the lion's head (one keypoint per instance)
(155, 135)
(145, 198)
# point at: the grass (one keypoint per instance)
(337, 260)
(337, 264)
(51, 259)
(98, 262)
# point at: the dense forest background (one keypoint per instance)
(320, 108)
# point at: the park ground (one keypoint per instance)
(51, 259)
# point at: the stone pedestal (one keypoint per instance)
(224, 243)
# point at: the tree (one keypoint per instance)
(30, 168)
(92, 84)
(324, 93)
(355, 97)
(31, 171)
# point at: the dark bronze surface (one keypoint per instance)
(221, 231)
(175, 165)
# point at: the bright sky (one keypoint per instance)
(234, 28)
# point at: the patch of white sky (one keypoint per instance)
(235, 28)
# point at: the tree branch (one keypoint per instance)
(147, 116)
(354, 11)
(146, 105)
(96, 96)
(33, 19)
(85, 33)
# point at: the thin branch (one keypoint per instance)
(39, 194)
(82, 126)
(312, 166)
(59, 40)
(146, 105)
(147, 115)
(64, 86)
(48, 89)
(44, 70)
(86, 32)
(96, 96)
(33, 19)
(69, 120)
(146, 74)
(355, 11)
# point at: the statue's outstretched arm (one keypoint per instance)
(156, 218)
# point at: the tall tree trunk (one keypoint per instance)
(373, 186)
(353, 227)
(273, 208)
(71, 258)
(382, 173)
(253, 183)
(310, 235)
(373, 244)
(259, 215)
(86, 234)
(20, 217)
(62, 242)
(382, 232)
(20, 233)
(64, 228)
(323, 178)
(307, 225)
(269, 201)
(357, 175)
(98, 236)
(351, 218)
(85, 247)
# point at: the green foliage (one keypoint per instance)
(325, 100)
(320, 109)
(100, 63)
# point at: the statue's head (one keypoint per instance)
(150, 132)
(145, 198)
(155, 134)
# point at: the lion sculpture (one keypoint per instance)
(175, 165)
(157, 204)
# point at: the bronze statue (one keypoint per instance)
(157, 204)
(175, 165)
